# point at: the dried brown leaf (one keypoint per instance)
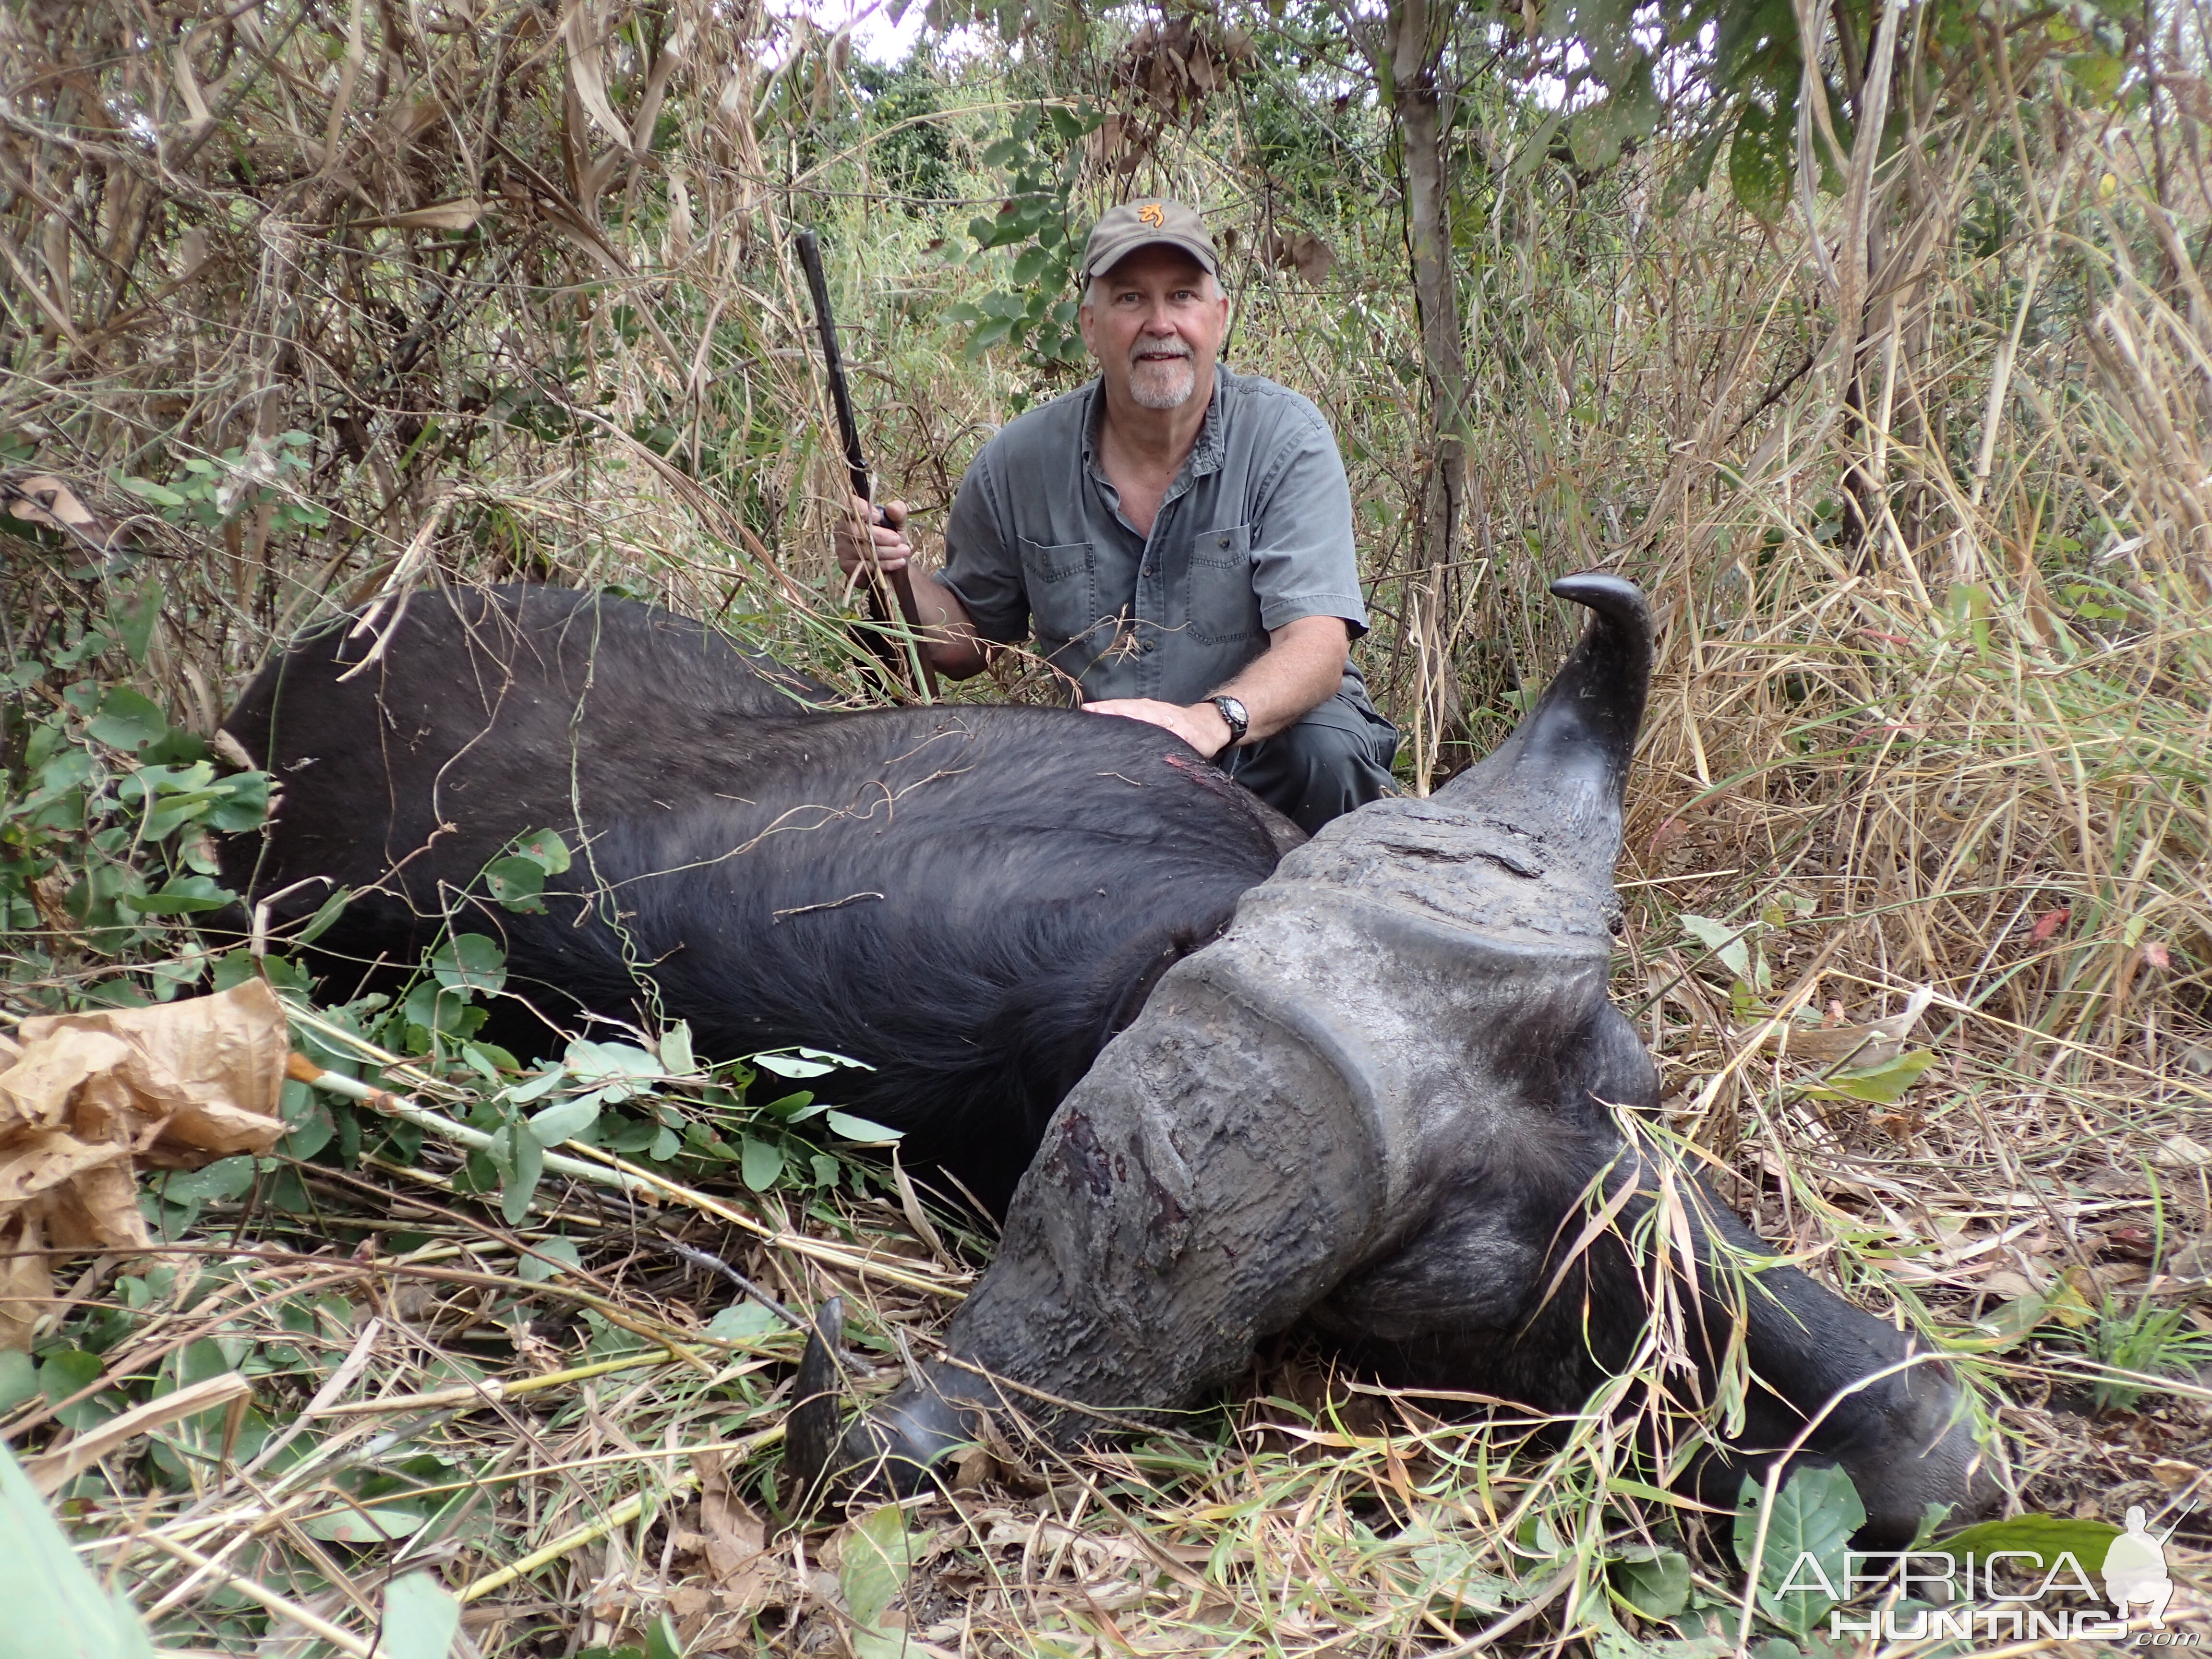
(82, 1096)
(458, 214)
(46, 501)
(580, 35)
(27, 1283)
(48, 1474)
(1874, 1043)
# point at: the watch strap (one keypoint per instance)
(1234, 715)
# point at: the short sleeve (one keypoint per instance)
(981, 568)
(1303, 560)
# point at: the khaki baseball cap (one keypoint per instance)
(1122, 231)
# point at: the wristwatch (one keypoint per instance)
(1235, 717)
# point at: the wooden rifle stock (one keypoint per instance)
(849, 430)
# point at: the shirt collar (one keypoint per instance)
(1204, 455)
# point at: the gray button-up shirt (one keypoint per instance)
(1256, 532)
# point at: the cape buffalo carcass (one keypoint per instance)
(1384, 1104)
(972, 901)
(1379, 1104)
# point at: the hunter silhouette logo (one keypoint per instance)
(2135, 1569)
(1151, 214)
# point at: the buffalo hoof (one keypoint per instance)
(894, 1450)
(890, 1452)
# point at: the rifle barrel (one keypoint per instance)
(856, 460)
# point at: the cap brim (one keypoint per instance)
(1106, 258)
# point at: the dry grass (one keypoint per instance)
(1973, 754)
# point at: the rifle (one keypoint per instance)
(841, 398)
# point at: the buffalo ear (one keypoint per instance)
(1614, 1065)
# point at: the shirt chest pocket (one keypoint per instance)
(1061, 583)
(1222, 608)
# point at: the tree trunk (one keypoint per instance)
(1413, 47)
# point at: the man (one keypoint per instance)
(1178, 537)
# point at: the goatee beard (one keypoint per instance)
(1162, 385)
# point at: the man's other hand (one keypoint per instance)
(862, 539)
(1200, 725)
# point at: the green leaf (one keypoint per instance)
(19, 1378)
(1688, 178)
(565, 1120)
(155, 785)
(318, 924)
(218, 1183)
(1880, 1085)
(675, 1057)
(521, 1184)
(56, 1608)
(536, 1270)
(543, 1083)
(662, 1641)
(791, 1065)
(173, 810)
(365, 1526)
(66, 1371)
(1813, 1517)
(1654, 1582)
(1443, 1572)
(2046, 1537)
(127, 720)
(860, 1129)
(545, 850)
(133, 617)
(1723, 940)
(147, 490)
(181, 896)
(742, 1321)
(594, 1061)
(878, 1555)
(313, 1126)
(241, 801)
(2097, 75)
(516, 883)
(469, 962)
(1763, 158)
(433, 1007)
(761, 1164)
(420, 1619)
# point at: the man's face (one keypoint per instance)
(1155, 323)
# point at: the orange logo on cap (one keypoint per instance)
(1151, 214)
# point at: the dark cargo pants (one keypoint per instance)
(1336, 758)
